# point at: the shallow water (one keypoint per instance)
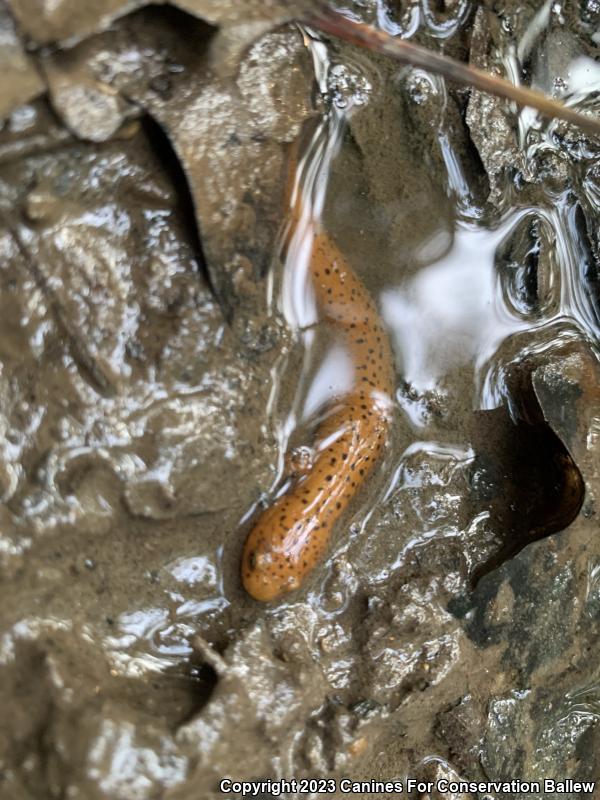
(505, 284)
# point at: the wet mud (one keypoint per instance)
(164, 370)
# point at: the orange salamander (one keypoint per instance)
(291, 536)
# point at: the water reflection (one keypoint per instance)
(423, 14)
(459, 310)
(451, 313)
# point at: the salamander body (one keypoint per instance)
(292, 535)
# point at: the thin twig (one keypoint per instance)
(331, 22)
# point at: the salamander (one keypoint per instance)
(291, 536)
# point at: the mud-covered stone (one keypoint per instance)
(20, 81)
(229, 134)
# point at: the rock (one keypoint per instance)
(20, 81)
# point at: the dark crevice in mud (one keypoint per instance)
(203, 681)
(525, 476)
(364, 610)
(518, 262)
(531, 264)
(169, 19)
(167, 157)
(480, 182)
(590, 268)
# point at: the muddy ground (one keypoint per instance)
(146, 374)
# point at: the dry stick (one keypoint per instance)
(335, 24)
